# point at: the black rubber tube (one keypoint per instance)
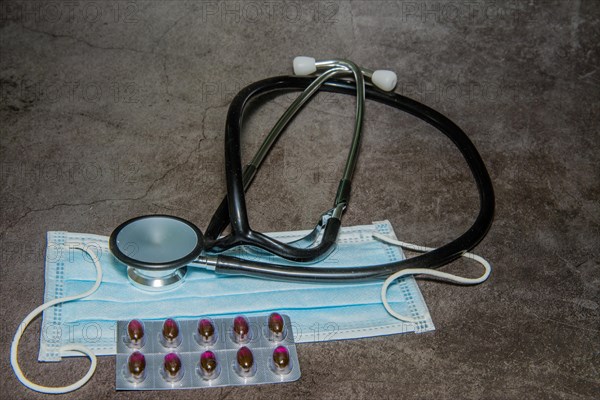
(237, 207)
(242, 234)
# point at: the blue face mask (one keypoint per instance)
(319, 312)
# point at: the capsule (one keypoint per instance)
(136, 364)
(206, 331)
(170, 329)
(276, 327)
(209, 367)
(172, 367)
(245, 362)
(281, 360)
(241, 330)
(135, 333)
(170, 333)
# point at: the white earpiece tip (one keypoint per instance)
(384, 80)
(304, 65)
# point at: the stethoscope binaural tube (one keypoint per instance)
(433, 259)
(235, 213)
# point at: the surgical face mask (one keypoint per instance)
(319, 312)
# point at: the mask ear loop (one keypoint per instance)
(63, 349)
(425, 271)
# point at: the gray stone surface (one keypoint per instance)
(114, 109)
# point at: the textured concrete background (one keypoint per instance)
(114, 109)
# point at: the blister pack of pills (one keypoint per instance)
(188, 354)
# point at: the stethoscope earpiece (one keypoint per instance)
(384, 79)
(304, 66)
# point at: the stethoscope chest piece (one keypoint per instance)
(156, 280)
(156, 250)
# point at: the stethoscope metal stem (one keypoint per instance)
(334, 68)
(292, 110)
(360, 107)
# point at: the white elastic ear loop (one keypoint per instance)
(426, 271)
(71, 347)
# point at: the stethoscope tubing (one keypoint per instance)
(236, 210)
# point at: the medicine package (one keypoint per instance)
(185, 354)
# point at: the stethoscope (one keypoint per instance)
(158, 249)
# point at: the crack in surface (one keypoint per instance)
(352, 24)
(155, 182)
(85, 42)
(160, 38)
(166, 80)
(138, 198)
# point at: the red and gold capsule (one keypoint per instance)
(170, 336)
(209, 366)
(281, 360)
(136, 365)
(245, 362)
(276, 327)
(172, 367)
(206, 331)
(241, 329)
(170, 329)
(135, 333)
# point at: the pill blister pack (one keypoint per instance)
(187, 354)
